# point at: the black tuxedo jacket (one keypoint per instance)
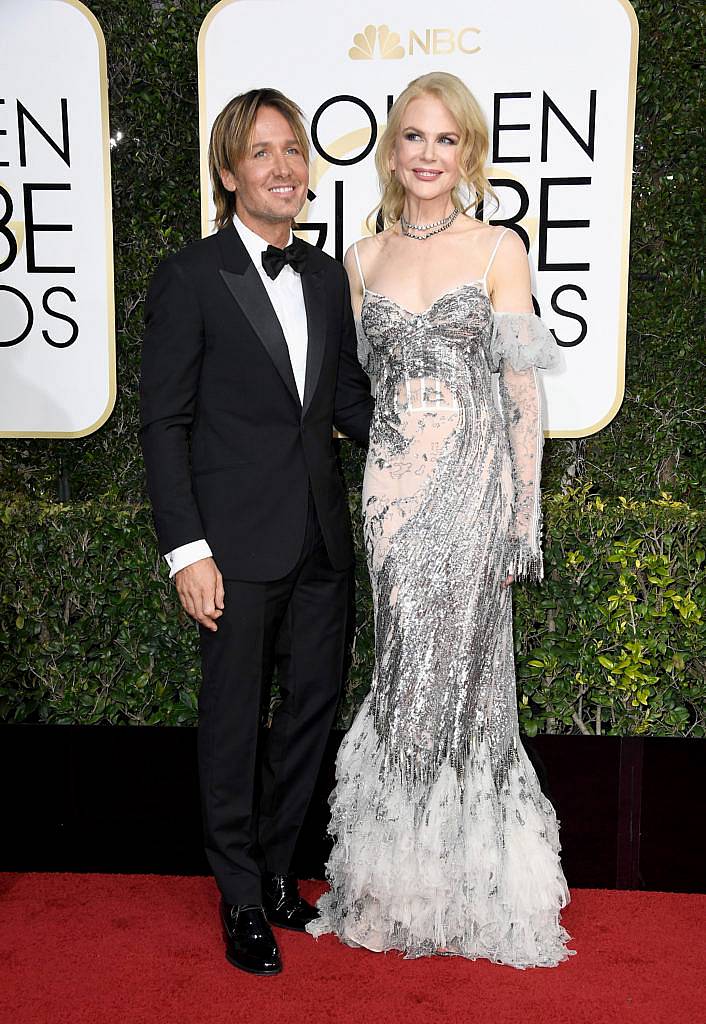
(230, 450)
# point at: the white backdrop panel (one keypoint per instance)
(57, 324)
(563, 74)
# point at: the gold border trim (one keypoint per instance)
(627, 197)
(625, 256)
(205, 183)
(108, 224)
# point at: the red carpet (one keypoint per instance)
(116, 949)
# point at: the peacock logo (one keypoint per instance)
(389, 47)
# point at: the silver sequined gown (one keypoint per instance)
(443, 839)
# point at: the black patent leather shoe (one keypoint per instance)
(283, 905)
(250, 944)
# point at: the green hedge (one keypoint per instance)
(100, 638)
(613, 641)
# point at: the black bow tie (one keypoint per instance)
(273, 259)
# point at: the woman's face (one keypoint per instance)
(425, 157)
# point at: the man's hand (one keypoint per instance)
(200, 590)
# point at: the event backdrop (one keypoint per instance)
(57, 321)
(614, 640)
(556, 81)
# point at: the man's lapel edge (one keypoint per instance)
(314, 301)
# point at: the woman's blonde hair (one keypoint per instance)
(473, 145)
(231, 135)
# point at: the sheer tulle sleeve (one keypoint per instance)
(520, 345)
(367, 358)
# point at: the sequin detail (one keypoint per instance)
(443, 839)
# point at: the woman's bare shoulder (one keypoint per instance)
(499, 238)
(509, 278)
(372, 245)
(511, 250)
(478, 236)
(368, 250)
(471, 227)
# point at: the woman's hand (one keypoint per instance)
(508, 581)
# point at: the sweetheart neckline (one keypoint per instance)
(423, 312)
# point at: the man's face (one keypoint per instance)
(271, 180)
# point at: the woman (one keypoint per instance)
(443, 840)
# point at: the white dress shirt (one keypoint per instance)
(287, 299)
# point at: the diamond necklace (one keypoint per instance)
(427, 229)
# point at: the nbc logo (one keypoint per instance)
(388, 43)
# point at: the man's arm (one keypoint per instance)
(353, 404)
(171, 368)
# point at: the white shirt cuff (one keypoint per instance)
(187, 554)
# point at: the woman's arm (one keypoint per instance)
(355, 281)
(353, 404)
(521, 343)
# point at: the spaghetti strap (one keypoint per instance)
(357, 260)
(492, 255)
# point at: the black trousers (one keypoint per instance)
(257, 778)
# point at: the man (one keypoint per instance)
(248, 362)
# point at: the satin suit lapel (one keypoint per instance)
(314, 301)
(246, 287)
